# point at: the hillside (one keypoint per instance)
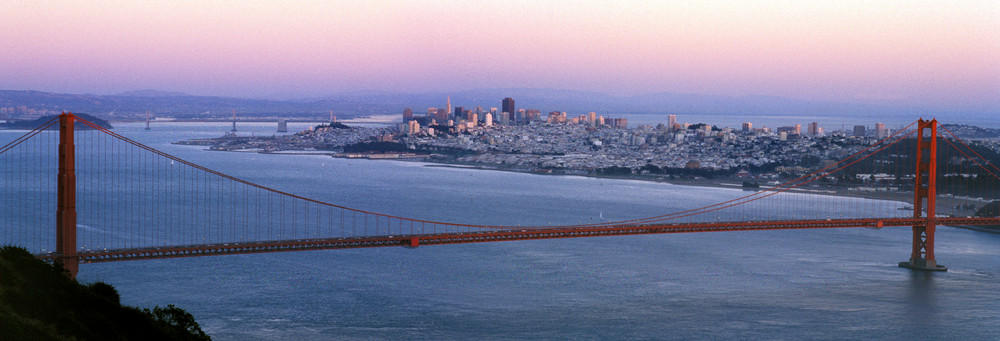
(38, 301)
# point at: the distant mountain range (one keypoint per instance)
(175, 104)
(368, 102)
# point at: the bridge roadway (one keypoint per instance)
(414, 240)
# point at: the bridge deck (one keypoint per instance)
(97, 256)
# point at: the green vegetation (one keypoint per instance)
(957, 175)
(38, 301)
(989, 210)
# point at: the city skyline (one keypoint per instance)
(895, 53)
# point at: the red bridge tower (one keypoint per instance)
(925, 192)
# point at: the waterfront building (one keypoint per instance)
(747, 126)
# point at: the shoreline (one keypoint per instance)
(946, 206)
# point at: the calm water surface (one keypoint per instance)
(808, 284)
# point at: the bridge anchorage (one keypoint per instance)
(152, 205)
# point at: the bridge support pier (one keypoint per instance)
(925, 191)
(66, 198)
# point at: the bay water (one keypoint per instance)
(797, 284)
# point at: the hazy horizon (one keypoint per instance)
(899, 53)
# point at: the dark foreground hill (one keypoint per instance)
(38, 301)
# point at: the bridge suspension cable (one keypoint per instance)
(137, 201)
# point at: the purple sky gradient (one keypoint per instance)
(926, 53)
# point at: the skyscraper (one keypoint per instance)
(671, 121)
(448, 106)
(814, 129)
(508, 107)
(859, 131)
(880, 131)
(407, 115)
(747, 126)
(442, 116)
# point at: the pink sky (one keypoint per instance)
(939, 53)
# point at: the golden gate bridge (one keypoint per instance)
(117, 199)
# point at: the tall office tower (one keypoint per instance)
(814, 129)
(508, 107)
(592, 118)
(488, 121)
(448, 105)
(747, 126)
(859, 131)
(407, 115)
(880, 131)
(459, 113)
(441, 116)
(798, 129)
(671, 121)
